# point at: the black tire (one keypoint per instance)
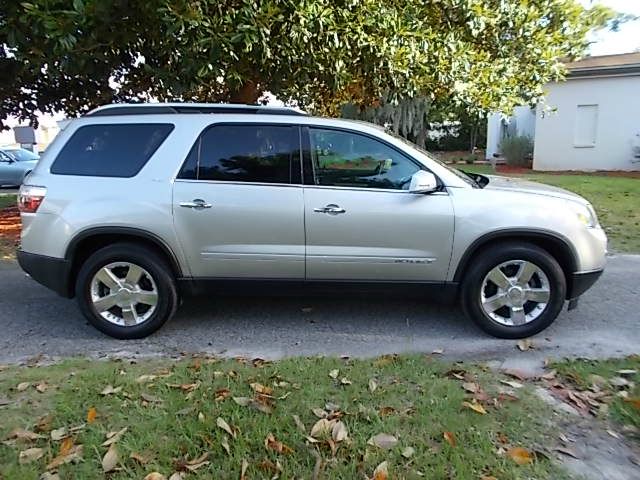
(157, 268)
(493, 256)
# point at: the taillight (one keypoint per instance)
(30, 197)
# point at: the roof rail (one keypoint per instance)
(174, 108)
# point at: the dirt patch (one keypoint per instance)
(10, 226)
(509, 170)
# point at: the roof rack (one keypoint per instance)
(175, 108)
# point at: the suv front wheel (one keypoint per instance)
(126, 291)
(514, 290)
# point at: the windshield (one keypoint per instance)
(465, 177)
(21, 155)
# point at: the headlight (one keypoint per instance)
(586, 214)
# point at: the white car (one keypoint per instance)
(133, 206)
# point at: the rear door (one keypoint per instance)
(238, 203)
(361, 221)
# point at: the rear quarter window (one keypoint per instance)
(110, 150)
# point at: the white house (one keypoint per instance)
(590, 121)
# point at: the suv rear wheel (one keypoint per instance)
(126, 291)
(514, 290)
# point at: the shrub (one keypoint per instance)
(517, 149)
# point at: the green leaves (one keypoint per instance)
(319, 53)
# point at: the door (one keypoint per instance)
(238, 203)
(361, 221)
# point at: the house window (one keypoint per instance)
(586, 126)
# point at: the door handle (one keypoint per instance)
(197, 204)
(331, 209)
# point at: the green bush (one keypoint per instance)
(517, 149)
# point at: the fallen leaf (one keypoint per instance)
(450, 438)
(385, 360)
(91, 415)
(30, 455)
(225, 444)
(73, 455)
(339, 432)
(334, 373)
(408, 452)
(221, 423)
(476, 407)
(381, 472)
(155, 476)
(194, 464)
(383, 441)
(185, 387)
(66, 446)
(322, 428)
(110, 459)
(44, 423)
(520, 455)
(261, 389)
(58, 434)
(512, 383)
(345, 381)
(619, 382)
(42, 387)
(299, 424)
(471, 387)
(113, 437)
(21, 434)
(635, 402)
(243, 469)
(146, 378)
(142, 459)
(319, 412)
(178, 476)
(271, 443)
(242, 401)
(150, 398)
(49, 476)
(517, 374)
(23, 386)
(566, 451)
(373, 385)
(222, 394)
(524, 345)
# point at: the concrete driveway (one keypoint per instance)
(35, 321)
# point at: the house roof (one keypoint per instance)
(605, 65)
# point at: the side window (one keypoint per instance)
(110, 150)
(347, 159)
(245, 153)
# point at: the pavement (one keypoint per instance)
(35, 321)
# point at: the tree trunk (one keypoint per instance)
(248, 93)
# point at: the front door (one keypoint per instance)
(238, 203)
(361, 221)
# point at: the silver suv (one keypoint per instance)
(134, 206)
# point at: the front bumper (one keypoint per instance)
(51, 272)
(581, 282)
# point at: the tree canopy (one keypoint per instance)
(72, 55)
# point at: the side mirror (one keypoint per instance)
(423, 182)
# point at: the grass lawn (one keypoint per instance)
(616, 200)
(215, 418)
(611, 377)
(7, 200)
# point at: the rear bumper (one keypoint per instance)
(581, 282)
(51, 272)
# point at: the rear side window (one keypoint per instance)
(110, 150)
(245, 153)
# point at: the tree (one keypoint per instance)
(71, 55)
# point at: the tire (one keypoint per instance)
(155, 285)
(478, 288)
